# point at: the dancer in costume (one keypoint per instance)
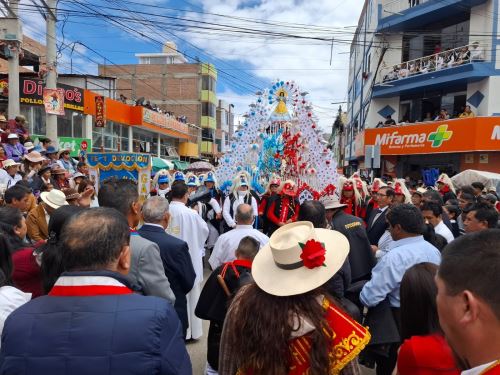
(402, 193)
(446, 188)
(240, 194)
(350, 196)
(161, 183)
(272, 190)
(284, 207)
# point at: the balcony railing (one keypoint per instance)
(397, 6)
(473, 52)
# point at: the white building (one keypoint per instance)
(410, 59)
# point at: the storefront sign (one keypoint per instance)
(136, 167)
(53, 100)
(164, 121)
(75, 145)
(457, 135)
(31, 92)
(100, 112)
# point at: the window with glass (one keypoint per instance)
(112, 137)
(70, 125)
(208, 109)
(208, 83)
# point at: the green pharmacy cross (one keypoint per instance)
(440, 135)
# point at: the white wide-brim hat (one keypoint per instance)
(54, 198)
(278, 269)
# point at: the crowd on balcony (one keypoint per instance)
(438, 61)
(441, 116)
(147, 104)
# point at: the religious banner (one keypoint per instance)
(121, 165)
(53, 100)
(100, 113)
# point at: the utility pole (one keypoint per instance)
(51, 77)
(14, 108)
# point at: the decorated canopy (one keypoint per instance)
(280, 137)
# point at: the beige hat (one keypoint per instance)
(331, 201)
(54, 198)
(29, 146)
(35, 157)
(299, 258)
(9, 163)
(3, 118)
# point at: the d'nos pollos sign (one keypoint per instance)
(31, 92)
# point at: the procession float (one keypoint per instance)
(280, 138)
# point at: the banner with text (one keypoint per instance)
(136, 167)
(31, 92)
(457, 135)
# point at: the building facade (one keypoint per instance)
(167, 81)
(225, 124)
(412, 59)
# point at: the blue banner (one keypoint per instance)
(118, 160)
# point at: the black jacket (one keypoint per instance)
(361, 257)
(376, 229)
(177, 264)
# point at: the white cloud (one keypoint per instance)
(307, 62)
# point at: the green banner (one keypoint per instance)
(73, 144)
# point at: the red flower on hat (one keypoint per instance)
(313, 254)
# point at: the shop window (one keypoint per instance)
(208, 83)
(208, 109)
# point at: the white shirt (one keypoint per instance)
(226, 245)
(10, 299)
(477, 370)
(226, 208)
(7, 180)
(444, 231)
(384, 244)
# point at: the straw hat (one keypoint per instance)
(29, 146)
(331, 202)
(278, 268)
(54, 198)
(71, 194)
(9, 163)
(34, 157)
(12, 136)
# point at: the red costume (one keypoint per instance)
(283, 207)
(426, 355)
(348, 338)
(352, 207)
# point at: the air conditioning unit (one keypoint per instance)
(11, 30)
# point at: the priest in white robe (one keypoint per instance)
(187, 225)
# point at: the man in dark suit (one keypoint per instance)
(146, 271)
(377, 225)
(173, 251)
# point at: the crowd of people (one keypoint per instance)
(442, 115)
(388, 275)
(438, 61)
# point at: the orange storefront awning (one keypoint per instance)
(125, 114)
(456, 135)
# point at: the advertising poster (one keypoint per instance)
(53, 100)
(121, 165)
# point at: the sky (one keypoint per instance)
(251, 42)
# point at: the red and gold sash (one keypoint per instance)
(493, 369)
(348, 340)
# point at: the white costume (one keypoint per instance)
(188, 226)
(226, 210)
(226, 245)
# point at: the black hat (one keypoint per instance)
(44, 169)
